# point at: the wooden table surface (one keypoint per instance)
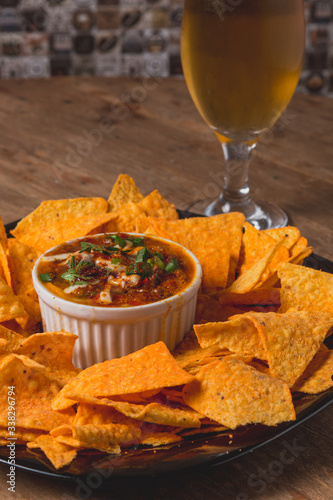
(71, 137)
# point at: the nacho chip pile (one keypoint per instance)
(240, 264)
(258, 339)
(153, 397)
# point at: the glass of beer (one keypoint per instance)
(242, 60)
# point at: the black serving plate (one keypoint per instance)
(214, 448)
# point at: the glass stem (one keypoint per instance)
(235, 196)
(237, 158)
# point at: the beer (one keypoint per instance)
(242, 60)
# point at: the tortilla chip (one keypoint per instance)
(10, 306)
(290, 340)
(60, 402)
(159, 439)
(139, 397)
(214, 240)
(287, 341)
(3, 235)
(59, 454)
(146, 225)
(152, 367)
(238, 334)
(260, 366)
(101, 414)
(173, 395)
(150, 231)
(45, 237)
(5, 266)
(54, 350)
(234, 394)
(4, 442)
(262, 296)
(124, 191)
(12, 340)
(251, 277)
(299, 246)
(51, 211)
(2, 273)
(209, 310)
(155, 205)
(189, 353)
(34, 392)
(20, 434)
(127, 217)
(298, 257)
(318, 376)
(21, 261)
(281, 257)
(4, 269)
(303, 288)
(79, 445)
(110, 226)
(153, 412)
(290, 234)
(70, 441)
(256, 245)
(102, 437)
(195, 368)
(269, 281)
(157, 413)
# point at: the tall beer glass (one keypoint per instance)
(242, 60)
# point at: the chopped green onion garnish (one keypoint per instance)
(119, 241)
(88, 247)
(156, 261)
(172, 266)
(144, 269)
(73, 273)
(115, 261)
(70, 275)
(45, 277)
(137, 242)
(143, 255)
(159, 255)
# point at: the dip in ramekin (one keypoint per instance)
(118, 292)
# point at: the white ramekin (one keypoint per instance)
(111, 332)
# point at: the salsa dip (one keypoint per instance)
(116, 270)
(118, 292)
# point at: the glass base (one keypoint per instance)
(261, 215)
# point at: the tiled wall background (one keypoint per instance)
(317, 76)
(42, 38)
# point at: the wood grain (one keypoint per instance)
(49, 148)
(156, 135)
